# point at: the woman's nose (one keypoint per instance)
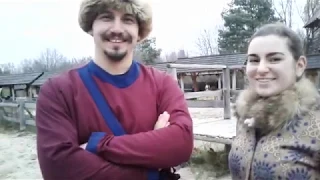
(263, 67)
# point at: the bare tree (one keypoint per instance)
(7, 68)
(170, 57)
(284, 9)
(309, 9)
(80, 61)
(182, 53)
(303, 37)
(207, 43)
(50, 59)
(173, 56)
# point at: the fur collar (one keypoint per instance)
(271, 112)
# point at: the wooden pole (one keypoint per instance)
(226, 93)
(22, 118)
(181, 83)
(173, 73)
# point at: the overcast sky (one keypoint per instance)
(30, 26)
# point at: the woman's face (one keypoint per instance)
(271, 67)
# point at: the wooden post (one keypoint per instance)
(234, 79)
(13, 94)
(173, 73)
(219, 81)
(226, 93)
(22, 118)
(181, 82)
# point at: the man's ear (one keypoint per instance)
(301, 66)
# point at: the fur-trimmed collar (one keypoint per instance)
(271, 112)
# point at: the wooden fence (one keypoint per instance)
(223, 99)
(223, 95)
(22, 112)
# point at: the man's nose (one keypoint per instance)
(117, 26)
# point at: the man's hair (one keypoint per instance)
(141, 9)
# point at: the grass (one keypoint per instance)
(7, 126)
(208, 163)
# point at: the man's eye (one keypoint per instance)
(129, 20)
(105, 17)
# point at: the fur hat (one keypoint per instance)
(90, 9)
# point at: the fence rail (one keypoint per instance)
(22, 112)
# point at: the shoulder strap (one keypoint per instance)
(101, 103)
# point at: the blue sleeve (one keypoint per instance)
(94, 141)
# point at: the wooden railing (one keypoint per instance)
(224, 92)
(22, 112)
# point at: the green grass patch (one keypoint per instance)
(206, 163)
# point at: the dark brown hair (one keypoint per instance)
(295, 43)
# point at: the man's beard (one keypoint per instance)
(115, 55)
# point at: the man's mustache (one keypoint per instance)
(118, 35)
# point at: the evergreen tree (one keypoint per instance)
(147, 51)
(240, 21)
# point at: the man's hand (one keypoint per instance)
(163, 121)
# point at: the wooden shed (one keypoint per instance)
(35, 86)
(15, 86)
(313, 33)
(197, 79)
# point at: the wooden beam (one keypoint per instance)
(12, 105)
(201, 94)
(205, 103)
(196, 66)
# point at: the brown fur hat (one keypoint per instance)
(90, 9)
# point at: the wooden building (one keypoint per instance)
(197, 79)
(15, 86)
(313, 33)
(35, 86)
(313, 48)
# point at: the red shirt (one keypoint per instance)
(67, 117)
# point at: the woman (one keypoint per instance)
(278, 134)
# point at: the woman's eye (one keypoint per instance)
(275, 59)
(254, 60)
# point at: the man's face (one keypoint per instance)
(116, 33)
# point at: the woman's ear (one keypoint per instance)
(301, 66)
(90, 32)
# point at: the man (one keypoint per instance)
(108, 119)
